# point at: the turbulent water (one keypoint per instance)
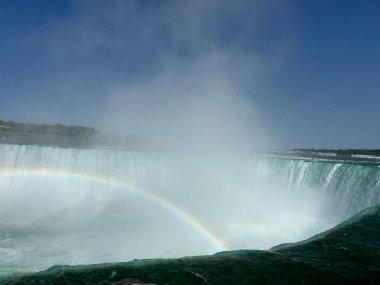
(81, 206)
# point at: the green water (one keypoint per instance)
(352, 186)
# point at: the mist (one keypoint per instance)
(83, 206)
(189, 89)
(180, 74)
(190, 108)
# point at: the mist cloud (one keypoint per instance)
(180, 73)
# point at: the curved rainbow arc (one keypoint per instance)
(127, 185)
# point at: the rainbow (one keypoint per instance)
(128, 186)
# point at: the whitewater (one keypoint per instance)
(83, 206)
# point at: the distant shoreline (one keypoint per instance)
(66, 136)
(88, 137)
(339, 152)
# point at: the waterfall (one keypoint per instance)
(80, 206)
(352, 186)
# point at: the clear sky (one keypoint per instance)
(309, 70)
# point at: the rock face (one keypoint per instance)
(130, 281)
(347, 254)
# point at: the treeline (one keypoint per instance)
(48, 129)
(64, 136)
(342, 152)
(44, 134)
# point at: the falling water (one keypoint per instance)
(80, 206)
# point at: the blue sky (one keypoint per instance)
(308, 70)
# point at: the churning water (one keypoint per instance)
(81, 206)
